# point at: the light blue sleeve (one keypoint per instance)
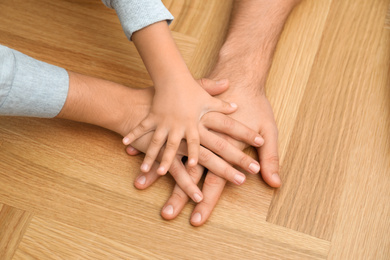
(29, 87)
(137, 14)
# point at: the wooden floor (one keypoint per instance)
(66, 188)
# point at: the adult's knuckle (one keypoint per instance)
(228, 123)
(220, 144)
(178, 196)
(174, 169)
(205, 155)
(143, 126)
(244, 160)
(272, 159)
(213, 180)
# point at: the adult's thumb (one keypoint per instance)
(214, 87)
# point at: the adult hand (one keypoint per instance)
(216, 144)
(254, 111)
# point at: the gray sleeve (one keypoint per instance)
(137, 14)
(29, 87)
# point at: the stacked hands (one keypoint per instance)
(215, 130)
(214, 139)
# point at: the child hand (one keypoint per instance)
(175, 115)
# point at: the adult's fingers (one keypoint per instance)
(225, 124)
(221, 106)
(130, 150)
(212, 190)
(147, 125)
(184, 180)
(228, 152)
(144, 180)
(179, 199)
(269, 157)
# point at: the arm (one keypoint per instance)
(175, 113)
(119, 109)
(254, 32)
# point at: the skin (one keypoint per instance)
(175, 114)
(246, 65)
(120, 109)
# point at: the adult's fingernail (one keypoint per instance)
(221, 82)
(275, 177)
(239, 179)
(168, 210)
(197, 197)
(233, 105)
(254, 167)
(141, 180)
(196, 218)
(259, 141)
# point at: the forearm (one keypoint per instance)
(160, 54)
(104, 103)
(254, 31)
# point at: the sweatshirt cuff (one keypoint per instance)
(135, 15)
(38, 89)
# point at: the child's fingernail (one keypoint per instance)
(239, 179)
(197, 197)
(233, 105)
(196, 218)
(144, 167)
(141, 180)
(192, 162)
(254, 167)
(221, 82)
(126, 141)
(161, 170)
(259, 141)
(168, 210)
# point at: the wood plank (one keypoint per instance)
(292, 65)
(315, 169)
(13, 224)
(92, 44)
(363, 223)
(82, 200)
(47, 238)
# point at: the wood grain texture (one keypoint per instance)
(329, 119)
(13, 224)
(66, 188)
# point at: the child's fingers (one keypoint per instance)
(224, 124)
(193, 144)
(144, 127)
(158, 140)
(221, 106)
(170, 151)
(228, 152)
